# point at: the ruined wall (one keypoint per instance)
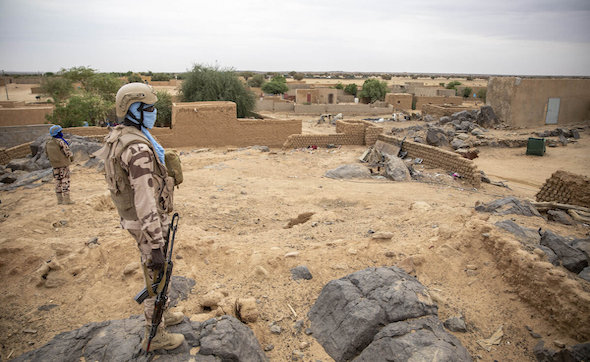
(421, 101)
(446, 92)
(441, 110)
(347, 133)
(400, 101)
(566, 188)
(20, 151)
(523, 102)
(201, 124)
(439, 158)
(24, 115)
(16, 135)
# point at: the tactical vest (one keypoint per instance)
(117, 177)
(56, 156)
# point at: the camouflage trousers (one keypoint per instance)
(145, 249)
(62, 180)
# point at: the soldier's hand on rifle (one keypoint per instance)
(157, 260)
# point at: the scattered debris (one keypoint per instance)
(494, 340)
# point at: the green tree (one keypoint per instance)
(292, 73)
(80, 108)
(104, 85)
(275, 87)
(386, 76)
(134, 78)
(298, 76)
(256, 81)
(58, 88)
(351, 89)
(163, 77)
(164, 107)
(467, 92)
(213, 84)
(453, 85)
(374, 90)
(78, 74)
(482, 93)
(247, 75)
(339, 86)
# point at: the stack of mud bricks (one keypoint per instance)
(566, 188)
(438, 158)
(20, 151)
(347, 133)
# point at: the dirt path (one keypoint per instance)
(234, 206)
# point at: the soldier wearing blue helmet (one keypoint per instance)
(60, 156)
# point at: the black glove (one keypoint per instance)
(157, 260)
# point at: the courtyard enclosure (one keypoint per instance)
(536, 102)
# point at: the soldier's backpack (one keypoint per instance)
(174, 167)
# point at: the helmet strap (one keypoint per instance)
(132, 116)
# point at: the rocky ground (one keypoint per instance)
(65, 266)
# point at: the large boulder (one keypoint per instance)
(486, 117)
(524, 235)
(436, 137)
(349, 172)
(370, 315)
(508, 205)
(396, 169)
(222, 339)
(572, 259)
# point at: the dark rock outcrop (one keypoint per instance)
(221, 339)
(370, 315)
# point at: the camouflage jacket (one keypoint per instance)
(138, 161)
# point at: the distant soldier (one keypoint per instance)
(60, 156)
(142, 192)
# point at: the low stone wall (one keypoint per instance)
(347, 133)
(421, 101)
(20, 116)
(436, 157)
(16, 135)
(441, 110)
(566, 188)
(20, 151)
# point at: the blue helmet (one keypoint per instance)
(55, 130)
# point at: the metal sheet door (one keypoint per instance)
(552, 111)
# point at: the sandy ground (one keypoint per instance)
(234, 205)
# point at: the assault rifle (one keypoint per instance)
(163, 282)
(141, 296)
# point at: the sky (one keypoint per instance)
(511, 37)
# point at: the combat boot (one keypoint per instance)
(162, 340)
(67, 200)
(60, 199)
(172, 318)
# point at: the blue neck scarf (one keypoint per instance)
(157, 147)
(61, 136)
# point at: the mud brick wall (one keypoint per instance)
(20, 116)
(20, 151)
(436, 157)
(441, 111)
(421, 101)
(347, 133)
(566, 188)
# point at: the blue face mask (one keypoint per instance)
(149, 118)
